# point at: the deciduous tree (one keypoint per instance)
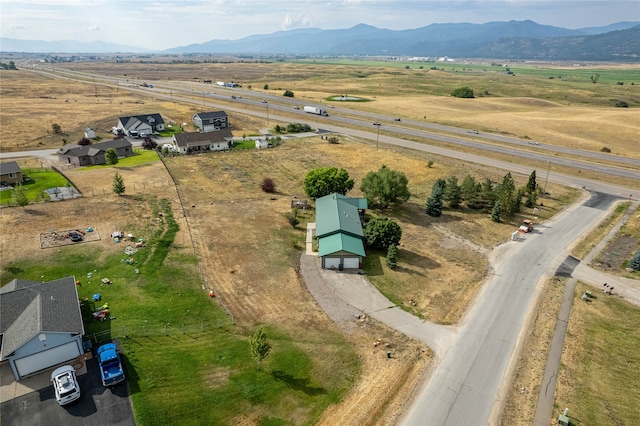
(20, 195)
(385, 187)
(327, 180)
(381, 233)
(111, 157)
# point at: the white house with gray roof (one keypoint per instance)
(141, 125)
(40, 324)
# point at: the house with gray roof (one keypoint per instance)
(10, 173)
(91, 155)
(40, 324)
(211, 121)
(141, 125)
(195, 143)
(339, 231)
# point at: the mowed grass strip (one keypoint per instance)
(600, 372)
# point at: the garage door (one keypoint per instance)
(331, 262)
(210, 128)
(351, 263)
(50, 357)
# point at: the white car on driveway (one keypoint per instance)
(65, 384)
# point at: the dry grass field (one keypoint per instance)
(246, 248)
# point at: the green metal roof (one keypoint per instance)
(340, 242)
(338, 225)
(334, 213)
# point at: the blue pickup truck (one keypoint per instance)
(110, 364)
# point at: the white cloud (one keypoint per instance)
(300, 21)
(94, 28)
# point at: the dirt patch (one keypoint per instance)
(56, 238)
(616, 253)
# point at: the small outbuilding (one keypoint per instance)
(89, 133)
(262, 143)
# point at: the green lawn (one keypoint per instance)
(186, 362)
(41, 179)
(141, 156)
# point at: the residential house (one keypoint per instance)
(91, 155)
(10, 173)
(210, 121)
(141, 125)
(40, 324)
(194, 143)
(339, 231)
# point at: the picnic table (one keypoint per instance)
(106, 281)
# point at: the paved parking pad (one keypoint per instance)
(97, 405)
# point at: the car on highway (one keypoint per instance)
(396, 119)
(233, 96)
(263, 101)
(296, 107)
(475, 132)
(65, 384)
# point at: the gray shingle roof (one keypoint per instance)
(193, 139)
(94, 149)
(132, 122)
(31, 307)
(208, 115)
(9, 167)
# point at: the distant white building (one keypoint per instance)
(89, 133)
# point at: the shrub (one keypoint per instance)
(463, 92)
(605, 149)
(149, 143)
(288, 93)
(84, 141)
(268, 185)
(392, 257)
(333, 139)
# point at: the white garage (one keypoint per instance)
(45, 359)
(331, 262)
(351, 263)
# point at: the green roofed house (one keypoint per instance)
(339, 231)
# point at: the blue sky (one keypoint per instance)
(160, 24)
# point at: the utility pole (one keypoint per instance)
(377, 124)
(547, 178)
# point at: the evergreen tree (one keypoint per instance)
(392, 257)
(506, 195)
(435, 203)
(468, 188)
(634, 263)
(531, 184)
(452, 192)
(260, 347)
(495, 212)
(118, 184)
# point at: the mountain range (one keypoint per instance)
(513, 40)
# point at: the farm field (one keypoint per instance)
(246, 251)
